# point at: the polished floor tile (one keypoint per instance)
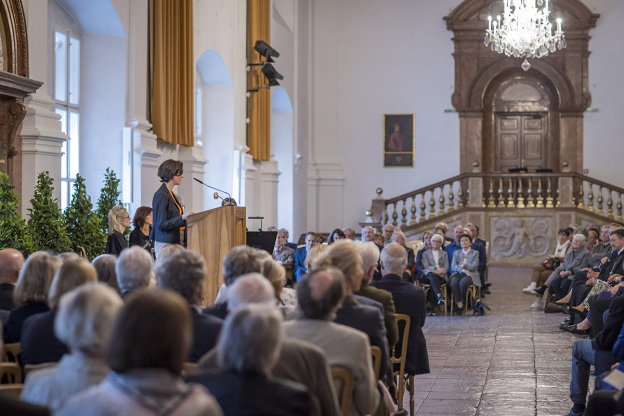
(512, 361)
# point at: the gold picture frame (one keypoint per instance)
(398, 140)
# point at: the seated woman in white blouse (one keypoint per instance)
(465, 269)
(435, 264)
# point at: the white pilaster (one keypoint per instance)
(41, 133)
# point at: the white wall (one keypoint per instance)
(387, 57)
(602, 147)
(102, 109)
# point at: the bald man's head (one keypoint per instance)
(321, 292)
(11, 262)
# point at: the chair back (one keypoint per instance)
(376, 353)
(10, 373)
(11, 390)
(34, 367)
(189, 368)
(345, 379)
(10, 352)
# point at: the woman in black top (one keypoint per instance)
(118, 221)
(142, 221)
(169, 218)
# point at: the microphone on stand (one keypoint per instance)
(216, 195)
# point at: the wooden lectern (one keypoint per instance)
(213, 233)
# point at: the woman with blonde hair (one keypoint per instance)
(39, 342)
(118, 222)
(31, 292)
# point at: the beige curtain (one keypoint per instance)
(172, 83)
(259, 103)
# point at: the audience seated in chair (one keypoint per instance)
(146, 362)
(39, 343)
(134, 270)
(285, 256)
(464, 269)
(238, 261)
(84, 323)
(320, 295)
(301, 253)
(370, 258)
(11, 262)
(248, 349)
(298, 360)
(409, 300)
(344, 255)
(31, 293)
(542, 271)
(184, 273)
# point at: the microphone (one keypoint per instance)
(216, 195)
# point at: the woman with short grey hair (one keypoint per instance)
(435, 264)
(83, 323)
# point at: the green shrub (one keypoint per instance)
(13, 231)
(47, 222)
(83, 224)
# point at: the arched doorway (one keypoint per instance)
(482, 76)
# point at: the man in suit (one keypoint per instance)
(584, 354)
(284, 256)
(409, 300)
(301, 254)
(240, 260)
(292, 246)
(320, 295)
(370, 258)
(11, 262)
(184, 273)
(298, 360)
(479, 245)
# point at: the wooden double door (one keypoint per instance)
(521, 141)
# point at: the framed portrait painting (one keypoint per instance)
(398, 141)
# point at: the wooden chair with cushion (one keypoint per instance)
(405, 381)
(376, 353)
(342, 377)
(10, 373)
(34, 367)
(189, 368)
(10, 352)
(11, 390)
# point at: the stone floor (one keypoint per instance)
(512, 361)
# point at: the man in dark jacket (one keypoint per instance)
(184, 273)
(409, 300)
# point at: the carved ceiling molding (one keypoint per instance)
(479, 72)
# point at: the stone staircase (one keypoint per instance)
(518, 213)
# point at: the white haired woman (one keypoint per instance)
(435, 264)
(84, 323)
(118, 222)
(399, 237)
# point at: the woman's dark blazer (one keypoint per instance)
(115, 243)
(167, 218)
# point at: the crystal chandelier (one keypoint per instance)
(525, 31)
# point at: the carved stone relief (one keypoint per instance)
(520, 237)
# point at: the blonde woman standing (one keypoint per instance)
(118, 222)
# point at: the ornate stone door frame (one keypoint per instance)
(479, 72)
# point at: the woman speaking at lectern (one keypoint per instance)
(169, 221)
